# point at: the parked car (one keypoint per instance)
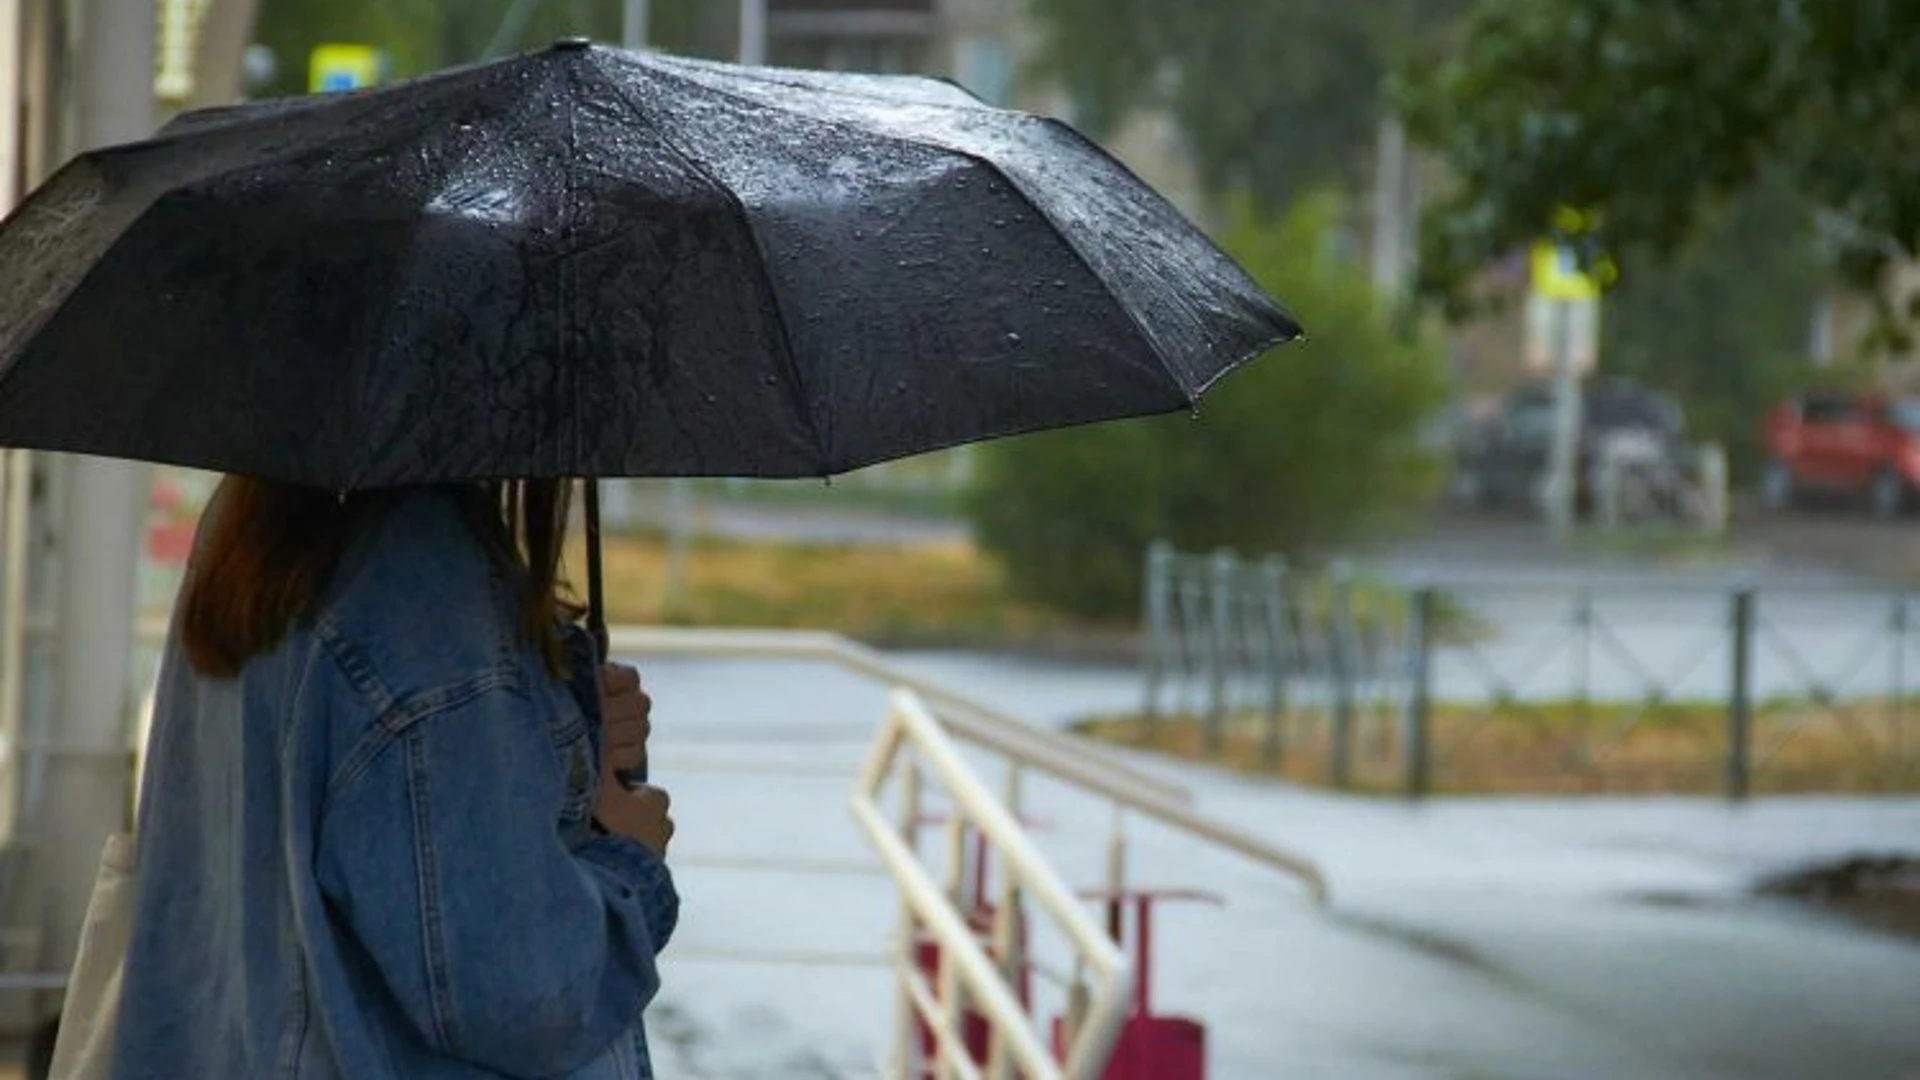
(1858, 445)
(1502, 460)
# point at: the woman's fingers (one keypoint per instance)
(626, 717)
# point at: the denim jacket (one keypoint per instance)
(370, 855)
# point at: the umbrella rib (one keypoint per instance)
(822, 442)
(569, 221)
(1189, 394)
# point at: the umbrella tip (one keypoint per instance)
(572, 44)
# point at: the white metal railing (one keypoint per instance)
(980, 970)
(971, 979)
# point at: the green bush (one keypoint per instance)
(1303, 450)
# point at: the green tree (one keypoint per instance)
(1657, 115)
(1722, 324)
(1303, 450)
(1275, 98)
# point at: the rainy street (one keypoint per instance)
(959, 540)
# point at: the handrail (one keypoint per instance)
(910, 724)
(1074, 761)
(979, 723)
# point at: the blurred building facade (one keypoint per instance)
(1843, 318)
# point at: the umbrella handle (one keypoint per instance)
(597, 603)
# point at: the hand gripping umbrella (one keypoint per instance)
(581, 262)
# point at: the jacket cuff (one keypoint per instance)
(644, 875)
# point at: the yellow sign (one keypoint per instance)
(1556, 268)
(1557, 274)
(333, 68)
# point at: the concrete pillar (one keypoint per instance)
(13, 28)
(752, 49)
(220, 53)
(104, 505)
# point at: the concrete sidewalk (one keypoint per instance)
(1486, 938)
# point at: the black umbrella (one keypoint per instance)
(583, 262)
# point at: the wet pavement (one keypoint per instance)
(1516, 938)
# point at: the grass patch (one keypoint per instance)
(932, 592)
(913, 593)
(920, 501)
(1856, 747)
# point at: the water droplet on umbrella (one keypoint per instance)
(1013, 339)
(999, 223)
(1059, 283)
(986, 251)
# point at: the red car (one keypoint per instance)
(1865, 445)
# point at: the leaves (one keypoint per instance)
(1659, 114)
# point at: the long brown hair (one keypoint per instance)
(269, 551)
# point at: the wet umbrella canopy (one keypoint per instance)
(585, 262)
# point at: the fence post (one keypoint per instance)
(1224, 571)
(1740, 697)
(1897, 693)
(1155, 600)
(1341, 663)
(1419, 716)
(1583, 621)
(1607, 486)
(1273, 657)
(1713, 484)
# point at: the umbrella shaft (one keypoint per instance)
(596, 592)
(597, 600)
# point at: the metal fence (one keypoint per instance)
(1624, 685)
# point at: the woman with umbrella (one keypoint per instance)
(376, 837)
(481, 896)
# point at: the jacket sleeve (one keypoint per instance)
(504, 947)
